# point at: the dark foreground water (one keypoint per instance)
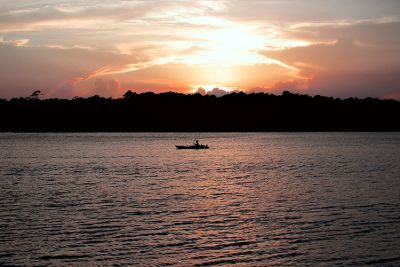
(258, 199)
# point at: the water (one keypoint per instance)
(252, 199)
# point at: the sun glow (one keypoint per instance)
(219, 51)
(216, 50)
(231, 45)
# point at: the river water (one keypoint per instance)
(252, 199)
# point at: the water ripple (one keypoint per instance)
(254, 199)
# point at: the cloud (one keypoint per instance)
(107, 88)
(363, 83)
(43, 14)
(201, 91)
(363, 61)
(17, 42)
(215, 91)
(65, 47)
(51, 70)
(293, 11)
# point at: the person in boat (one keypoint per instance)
(196, 145)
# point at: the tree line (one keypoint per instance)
(171, 111)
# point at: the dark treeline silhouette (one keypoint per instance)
(181, 112)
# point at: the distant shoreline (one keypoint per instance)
(174, 112)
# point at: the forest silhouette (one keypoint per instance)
(176, 112)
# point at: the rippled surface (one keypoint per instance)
(259, 199)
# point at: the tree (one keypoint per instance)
(35, 94)
(129, 94)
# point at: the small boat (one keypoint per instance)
(195, 145)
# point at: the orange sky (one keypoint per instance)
(334, 47)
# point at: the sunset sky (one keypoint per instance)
(71, 48)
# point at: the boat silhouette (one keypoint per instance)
(195, 145)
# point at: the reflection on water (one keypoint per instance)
(260, 199)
